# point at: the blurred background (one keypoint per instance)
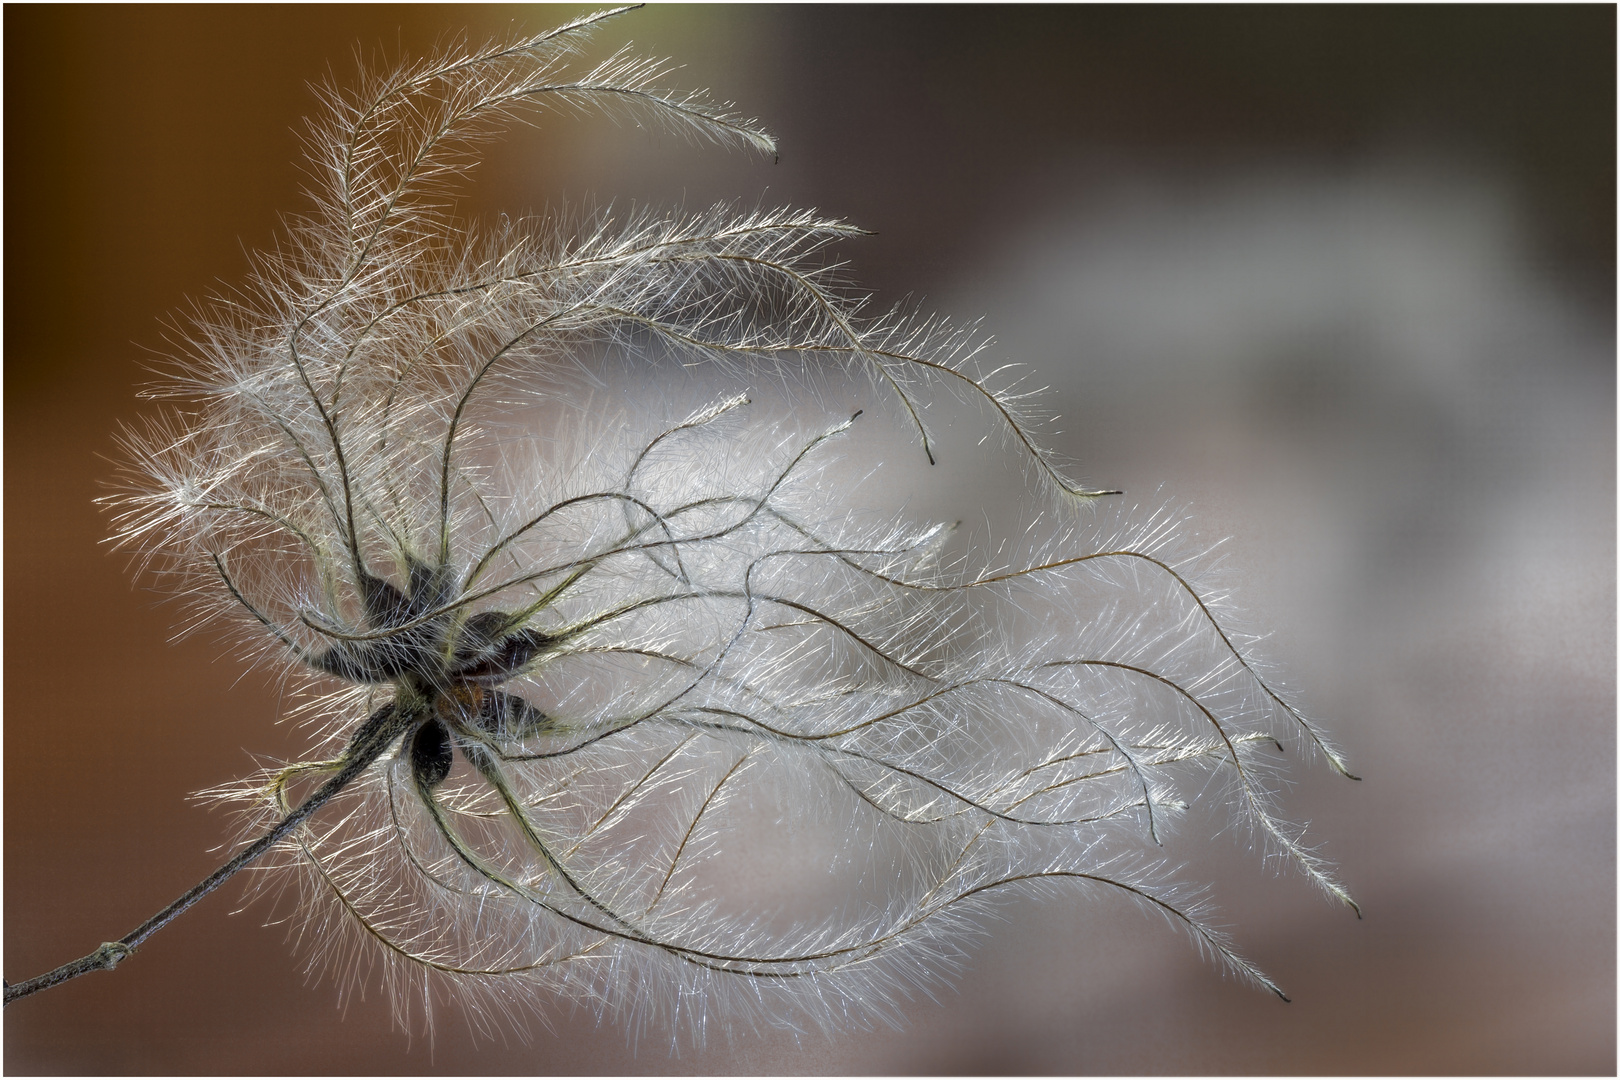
(1339, 279)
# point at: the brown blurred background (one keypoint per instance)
(1340, 278)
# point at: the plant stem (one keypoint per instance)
(374, 736)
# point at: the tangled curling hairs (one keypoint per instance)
(570, 673)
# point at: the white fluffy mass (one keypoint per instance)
(642, 706)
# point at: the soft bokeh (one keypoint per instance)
(1341, 280)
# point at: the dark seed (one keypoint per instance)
(509, 716)
(385, 605)
(431, 754)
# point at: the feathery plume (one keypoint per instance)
(565, 668)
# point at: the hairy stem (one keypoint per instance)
(373, 738)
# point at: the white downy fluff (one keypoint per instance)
(672, 727)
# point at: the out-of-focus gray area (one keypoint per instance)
(1340, 281)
